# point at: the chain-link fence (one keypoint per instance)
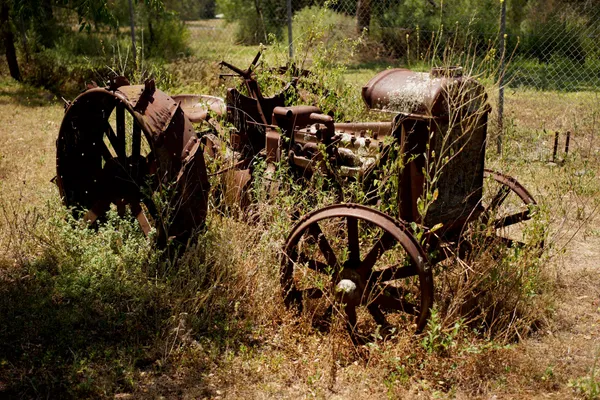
(550, 44)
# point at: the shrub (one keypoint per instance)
(62, 73)
(82, 300)
(84, 308)
(255, 20)
(335, 27)
(166, 37)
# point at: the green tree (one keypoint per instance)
(39, 21)
(192, 9)
(38, 16)
(257, 19)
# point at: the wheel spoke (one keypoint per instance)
(112, 138)
(512, 219)
(392, 273)
(498, 218)
(151, 164)
(354, 287)
(499, 198)
(394, 303)
(353, 244)
(311, 293)
(377, 315)
(150, 206)
(386, 241)
(106, 154)
(317, 266)
(138, 212)
(315, 231)
(505, 241)
(98, 209)
(323, 323)
(291, 295)
(120, 130)
(136, 143)
(351, 315)
(121, 207)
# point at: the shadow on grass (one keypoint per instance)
(377, 64)
(57, 346)
(12, 92)
(60, 340)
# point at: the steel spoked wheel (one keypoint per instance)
(507, 208)
(356, 259)
(118, 146)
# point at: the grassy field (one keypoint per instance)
(101, 314)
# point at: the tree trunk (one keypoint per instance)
(9, 42)
(363, 15)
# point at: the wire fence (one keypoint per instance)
(550, 44)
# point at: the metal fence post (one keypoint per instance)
(501, 76)
(289, 23)
(132, 22)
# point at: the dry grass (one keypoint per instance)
(30, 120)
(228, 334)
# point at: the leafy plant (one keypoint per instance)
(589, 386)
(438, 340)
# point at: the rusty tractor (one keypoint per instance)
(127, 145)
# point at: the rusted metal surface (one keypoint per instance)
(423, 94)
(237, 190)
(511, 183)
(439, 123)
(402, 90)
(362, 129)
(351, 148)
(508, 183)
(441, 115)
(251, 116)
(98, 165)
(198, 108)
(453, 155)
(441, 120)
(357, 277)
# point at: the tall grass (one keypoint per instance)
(92, 313)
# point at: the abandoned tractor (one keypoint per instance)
(127, 145)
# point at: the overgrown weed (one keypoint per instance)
(498, 294)
(76, 300)
(589, 386)
(85, 311)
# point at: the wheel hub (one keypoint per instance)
(349, 289)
